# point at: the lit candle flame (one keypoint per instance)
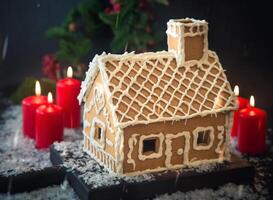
(69, 72)
(236, 90)
(49, 98)
(252, 101)
(37, 88)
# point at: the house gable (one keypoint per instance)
(99, 130)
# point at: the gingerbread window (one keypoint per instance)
(203, 138)
(150, 146)
(98, 132)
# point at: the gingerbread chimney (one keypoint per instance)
(187, 39)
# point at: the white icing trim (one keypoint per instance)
(132, 142)
(211, 136)
(109, 142)
(119, 143)
(158, 169)
(89, 78)
(101, 156)
(193, 159)
(108, 122)
(228, 128)
(154, 155)
(89, 106)
(220, 137)
(91, 141)
(86, 124)
(98, 98)
(169, 152)
(180, 151)
(204, 161)
(101, 143)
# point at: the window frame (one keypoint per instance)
(203, 146)
(98, 142)
(98, 131)
(159, 147)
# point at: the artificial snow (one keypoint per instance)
(61, 192)
(225, 192)
(17, 153)
(89, 170)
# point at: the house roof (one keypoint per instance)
(150, 87)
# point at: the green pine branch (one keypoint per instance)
(129, 28)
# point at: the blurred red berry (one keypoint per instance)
(72, 27)
(148, 29)
(107, 10)
(151, 43)
(143, 4)
(50, 66)
(116, 8)
(112, 2)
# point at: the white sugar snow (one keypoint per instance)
(55, 192)
(17, 153)
(90, 171)
(226, 192)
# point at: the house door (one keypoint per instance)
(177, 149)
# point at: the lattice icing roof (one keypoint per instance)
(150, 87)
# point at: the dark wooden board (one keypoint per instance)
(237, 171)
(83, 190)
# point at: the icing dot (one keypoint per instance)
(180, 151)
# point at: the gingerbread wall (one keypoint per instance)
(132, 162)
(194, 46)
(96, 109)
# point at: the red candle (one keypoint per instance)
(49, 124)
(67, 91)
(242, 103)
(29, 106)
(252, 129)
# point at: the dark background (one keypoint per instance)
(239, 31)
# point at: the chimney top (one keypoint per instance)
(188, 21)
(187, 38)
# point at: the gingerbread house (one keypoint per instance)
(158, 111)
